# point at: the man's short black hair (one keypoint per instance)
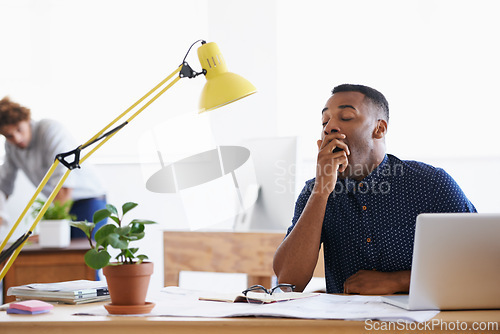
(373, 95)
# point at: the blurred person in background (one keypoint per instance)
(31, 146)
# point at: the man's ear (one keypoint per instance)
(380, 129)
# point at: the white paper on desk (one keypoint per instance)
(323, 306)
(184, 303)
(344, 307)
(67, 285)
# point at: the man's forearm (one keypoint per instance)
(370, 282)
(296, 258)
(63, 195)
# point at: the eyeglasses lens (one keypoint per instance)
(257, 295)
(283, 288)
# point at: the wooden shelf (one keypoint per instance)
(47, 265)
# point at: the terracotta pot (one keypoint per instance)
(128, 283)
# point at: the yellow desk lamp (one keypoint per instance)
(222, 87)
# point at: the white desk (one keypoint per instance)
(61, 320)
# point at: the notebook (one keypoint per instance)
(456, 263)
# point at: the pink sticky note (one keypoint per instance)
(31, 305)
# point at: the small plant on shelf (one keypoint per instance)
(116, 235)
(56, 210)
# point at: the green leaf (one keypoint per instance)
(134, 237)
(100, 215)
(115, 219)
(101, 236)
(143, 221)
(111, 208)
(123, 230)
(136, 228)
(97, 259)
(86, 227)
(128, 206)
(115, 241)
(141, 258)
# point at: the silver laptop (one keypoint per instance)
(456, 263)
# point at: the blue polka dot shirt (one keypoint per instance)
(370, 224)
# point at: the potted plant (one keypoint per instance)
(128, 277)
(54, 229)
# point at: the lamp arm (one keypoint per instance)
(102, 137)
(22, 241)
(9, 251)
(76, 152)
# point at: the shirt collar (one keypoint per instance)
(373, 178)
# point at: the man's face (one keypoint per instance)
(17, 134)
(350, 114)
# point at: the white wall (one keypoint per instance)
(435, 61)
(84, 62)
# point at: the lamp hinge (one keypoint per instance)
(188, 72)
(70, 165)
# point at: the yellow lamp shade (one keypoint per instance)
(222, 87)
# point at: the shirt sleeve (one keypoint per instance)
(8, 174)
(448, 196)
(300, 204)
(56, 139)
